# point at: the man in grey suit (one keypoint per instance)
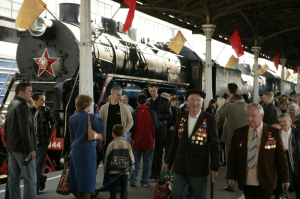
(234, 111)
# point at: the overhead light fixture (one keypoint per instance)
(246, 47)
(187, 22)
(220, 36)
(225, 38)
(195, 25)
(179, 19)
(171, 16)
(140, 3)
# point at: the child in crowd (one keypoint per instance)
(117, 158)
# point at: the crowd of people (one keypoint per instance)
(258, 143)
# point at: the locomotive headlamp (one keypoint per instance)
(39, 26)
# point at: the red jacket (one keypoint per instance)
(146, 123)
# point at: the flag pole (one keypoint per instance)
(106, 25)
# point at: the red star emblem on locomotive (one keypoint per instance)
(45, 63)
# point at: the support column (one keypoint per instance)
(298, 79)
(208, 32)
(256, 51)
(282, 62)
(86, 65)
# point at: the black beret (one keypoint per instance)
(195, 91)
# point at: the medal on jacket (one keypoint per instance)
(271, 143)
(204, 124)
(200, 137)
(180, 127)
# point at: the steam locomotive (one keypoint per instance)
(48, 58)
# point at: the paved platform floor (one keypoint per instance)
(137, 192)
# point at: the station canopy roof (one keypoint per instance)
(273, 25)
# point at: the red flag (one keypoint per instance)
(276, 60)
(236, 43)
(131, 4)
(296, 68)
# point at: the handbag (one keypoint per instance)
(92, 135)
(163, 187)
(63, 185)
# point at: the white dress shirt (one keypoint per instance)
(192, 122)
(286, 136)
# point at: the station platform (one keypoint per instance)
(136, 192)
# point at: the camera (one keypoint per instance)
(27, 160)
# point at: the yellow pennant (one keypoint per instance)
(232, 60)
(287, 75)
(178, 42)
(263, 69)
(29, 12)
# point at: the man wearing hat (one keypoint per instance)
(195, 149)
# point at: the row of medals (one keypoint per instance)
(199, 137)
(270, 145)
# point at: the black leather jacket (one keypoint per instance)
(21, 127)
(163, 110)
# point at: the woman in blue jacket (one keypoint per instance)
(83, 152)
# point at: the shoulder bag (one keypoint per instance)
(92, 135)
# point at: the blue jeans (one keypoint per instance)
(16, 169)
(147, 164)
(40, 160)
(127, 137)
(181, 183)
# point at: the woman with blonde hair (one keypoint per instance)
(83, 161)
(283, 107)
(220, 124)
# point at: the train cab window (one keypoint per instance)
(195, 72)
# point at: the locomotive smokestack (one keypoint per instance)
(69, 12)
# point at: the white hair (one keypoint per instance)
(294, 105)
(284, 115)
(255, 105)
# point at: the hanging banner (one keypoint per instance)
(263, 69)
(232, 60)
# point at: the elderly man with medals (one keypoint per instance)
(257, 156)
(195, 149)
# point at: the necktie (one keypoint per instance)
(252, 153)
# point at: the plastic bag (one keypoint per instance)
(284, 194)
(163, 187)
(63, 185)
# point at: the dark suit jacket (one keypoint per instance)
(172, 120)
(270, 114)
(296, 157)
(269, 160)
(193, 159)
